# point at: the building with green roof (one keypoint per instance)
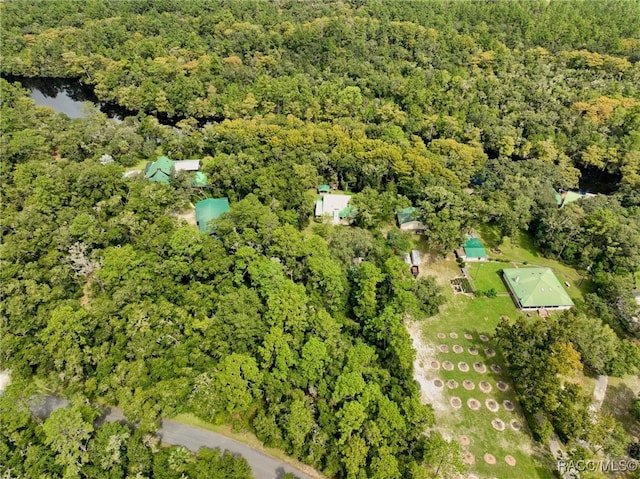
(408, 220)
(323, 189)
(474, 250)
(536, 288)
(160, 170)
(336, 207)
(565, 197)
(200, 179)
(208, 210)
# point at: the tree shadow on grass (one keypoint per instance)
(618, 402)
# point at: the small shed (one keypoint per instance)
(200, 179)
(208, 210)
(474, 250)
(186, 165)
(324, 189)
(408, 220)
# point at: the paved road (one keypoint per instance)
(193, 438)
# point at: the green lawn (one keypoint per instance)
(466, 314)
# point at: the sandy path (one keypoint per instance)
(421, 370)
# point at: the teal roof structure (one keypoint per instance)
(407, 215)
(474, 248)
(208, 210)
(200, 179)
(536, 288)
(324, 189)
(160, 170)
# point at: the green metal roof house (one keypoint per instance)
(536, 288)
(474, 250)
(322, 189)
(210, 209)
(408, 220)
(160, 170)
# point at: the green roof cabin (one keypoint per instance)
(200, 179)
(208, 210)
(324, 189)
(160, 170)
(536, 289)
(473, 250)
(408, 220)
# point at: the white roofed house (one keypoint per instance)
(335, 207)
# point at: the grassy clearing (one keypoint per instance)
(465, 314)
(620, 393)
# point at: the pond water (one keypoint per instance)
(66, 95)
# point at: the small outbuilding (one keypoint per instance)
(408, 220)
(535, 289)
(186, 165)
(473, 250)
(324, 189)
(208, 210)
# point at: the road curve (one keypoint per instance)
(193, 438)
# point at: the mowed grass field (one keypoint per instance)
(464, 314)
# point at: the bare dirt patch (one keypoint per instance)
(447, 366)
(483, 338)
(469, 458)
(502, 386)
(510, 460)
(496, 368)
(443, 348)
(508, 405)
(452, 384)
(473, 351)
(474, 404)
(498, 424)
(455, 402)
(441, 335)
(429, 394)
(489, 352)
(485, 387)
(462, 366)
(438, 383)
(464, 440)
(434, 365)
(468, 336)
(492, 405)
(453, 335)
(479, 367)
(516, 425)
(457, 349)
(489, 458)
(468, 385)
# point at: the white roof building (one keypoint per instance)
(186, 165)
(335, 206)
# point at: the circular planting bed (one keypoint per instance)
(443, 348)
(464, 367)
(496, 368)
(498, 424)
(508, 405)
(469, 458)
(447, 366)
(502, 386)
(473, 351)
(435, 365)
(479, 367)
(489, 352)
(485, 387)
(473, 404)
(468, 385)
(441, 335)
(468, 336)
(510, 460)
(489, 458)
(492, 405)
(464, 440)
(451, 384)
(453, 335)
(457, 349)
(455, 402)
(438, 383)
(516, 425)
(483, 338)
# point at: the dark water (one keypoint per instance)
(67, 95)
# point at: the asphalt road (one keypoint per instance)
(193, 438)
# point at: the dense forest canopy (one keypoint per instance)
(472, 112)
